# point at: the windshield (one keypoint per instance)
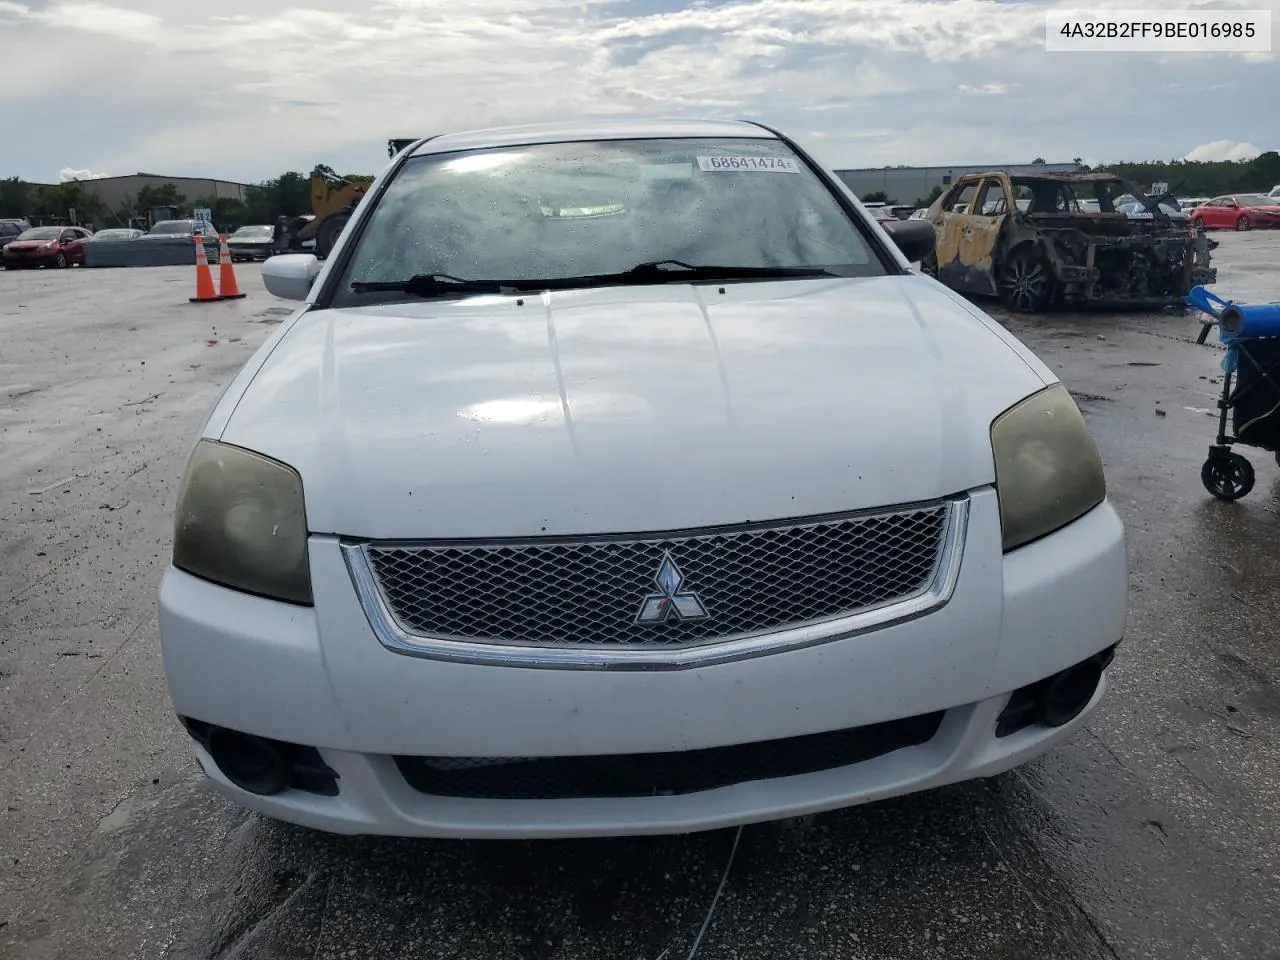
(113, 235)
(174, 226)
(254, 232)
(570, 210)
(41, 233)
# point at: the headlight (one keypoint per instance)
(1048, 470)
(241, 523)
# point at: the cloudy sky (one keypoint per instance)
(243, 89)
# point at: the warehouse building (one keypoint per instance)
(907, 184)
(115, 192)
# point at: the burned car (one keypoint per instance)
(1037, 240)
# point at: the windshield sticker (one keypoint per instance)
(735, 164)
(578, 213)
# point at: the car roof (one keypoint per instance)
(568, 132)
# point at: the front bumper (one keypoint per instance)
(23, 258)
(319, 677)
(250, 251)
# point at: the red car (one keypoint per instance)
(1241, 211)
(46, 247)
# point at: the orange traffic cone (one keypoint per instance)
(204, 276)
(228, 289)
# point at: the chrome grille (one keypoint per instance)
(588, 593)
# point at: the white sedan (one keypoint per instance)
(623, 478)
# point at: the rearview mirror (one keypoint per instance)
(915, 238)
(289, 276)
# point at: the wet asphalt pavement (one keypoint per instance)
(1155, 833)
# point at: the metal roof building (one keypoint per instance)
(907, 184)
(114, 191)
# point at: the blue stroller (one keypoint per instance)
(1250, 389)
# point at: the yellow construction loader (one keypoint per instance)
(333, 199)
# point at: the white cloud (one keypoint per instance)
(1223, 150)
(245, 88)
(67, 174)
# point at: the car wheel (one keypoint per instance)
(1227, 477)
(1242, 223)
(60, 261)
(1025, 283)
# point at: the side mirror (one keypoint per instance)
(290, 276)
(915, 238)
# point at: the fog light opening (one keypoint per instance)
(251, 763)
(1067, 694)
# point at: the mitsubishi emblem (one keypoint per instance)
(671, 602)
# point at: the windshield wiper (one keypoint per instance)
(429, 285)
(651, 271)
(668, 271)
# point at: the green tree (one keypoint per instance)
(1038, 160)
(164, 195)
(15, 198)
(876, 196)
(287, 195)
(228, 212)
(59, 200)
(934, 194)
(1265, 169)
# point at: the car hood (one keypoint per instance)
(28, 244)
(630, 409)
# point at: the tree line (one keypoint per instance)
(286, 195)
(290, 193)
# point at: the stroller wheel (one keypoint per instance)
(1227, 477)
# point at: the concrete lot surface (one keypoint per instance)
(1153, 834)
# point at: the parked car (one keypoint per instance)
(1240, 211)
(115, 234)
(1275, 192)
(251, 243)
(173, 229)
(167, 229)
(457, 542)
(1027, 240)
(10, 229)
(1131, 206)
(46, 247)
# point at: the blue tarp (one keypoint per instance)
(167, 252)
